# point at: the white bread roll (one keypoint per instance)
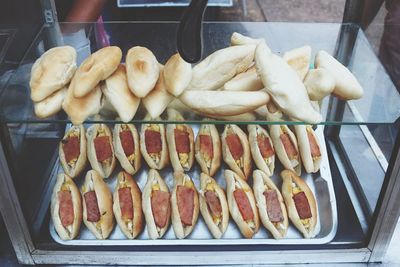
(265, 162)
(309, 147)
(52, 71)
(130, 163)
(221, 66)
(177, 74)
(245, 81)
(346, 85)
(51, 104)
(142, 70)
(239, 39)
(319, 83)
(209, 164)
(299, 59)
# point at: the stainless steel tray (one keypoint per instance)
(320, 183)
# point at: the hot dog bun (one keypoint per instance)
(259, 160)
(311, 163)
(208, 166)
(132, 163)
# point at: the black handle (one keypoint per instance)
(190, 42)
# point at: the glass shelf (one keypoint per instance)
(379, 105)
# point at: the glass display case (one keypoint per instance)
(356, 189)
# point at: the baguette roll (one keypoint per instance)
(127, 205)
(286, 147)
(270, 205)
(208, 149)
(184, 204)
(66, 207)
(97, 67)
(221, 66)
(242, 204)
(319, 83)
(300, 203)
(51, 104)
(262, 149)
(213, 206)
(72, 151)
(156, 205)
(142, 69)
(52, 71)
(153, 145)
(127, 147)
(236, 150)
(245, 81)
(309, 146)
(239, 39)
(180, 139)
(299, 59)
(177, 75)
(97, 205)
(100, 149)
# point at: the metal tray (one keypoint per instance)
(320, 183)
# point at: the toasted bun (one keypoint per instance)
(80, 164)
(164, 157)
(223, 103)
(177, 74)
(159, 98)
(245, 171)
(245, 81)
(346, 85)
(97, 67)
(142, 69)
(129, 167)
(104, 169)
(94, 182)
(254, 131)
(310, 165)
(232, 180)
(126, 180)
(284, 85)
(66, 234)
(79, 109)
(239, 39)
(116, 90)
(260, 182)
(180, 230)
(153, 178)
(174, 115)
(290, 177)
(319, 83)
(209, 129)
(51, 104)
(221, 66)
(299, 59)
(52, 71)
(217, 230)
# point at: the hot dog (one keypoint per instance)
(270, 204)
(97, 205)
(262, 149)
(236, 150)
(66, 207)
(128, 205)
(127, 147)
(184, 204)
(213, 206)
(72, 151)
(310, 149)
(242, 204)
(208, 149)
(100, 149)
(300, 202)
(156, 205)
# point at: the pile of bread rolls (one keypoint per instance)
(233, 83)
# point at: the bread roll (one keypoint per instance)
(319, 83)
(97, 67)
(245, 81)
(346, 85)
(127, 205)
(303, 215)
(261, 148)
(72, 151)
(242, 204)
(270, 205)
(239, 39)
(156, 205)
(184, 204)
(142, 69)
(100, 149)
(262, 111)
(208, 149)
(299, 59)
(180, 141)
(248, 116)
(284, 85)
(213, 206)
(66, 207)
(127, 147)
(309, 147)
(51, 104)
(221, 66)
(273, 113)
(236, 150)
(177, 75)
(52, 71)
(116, 90)
(97, 205)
